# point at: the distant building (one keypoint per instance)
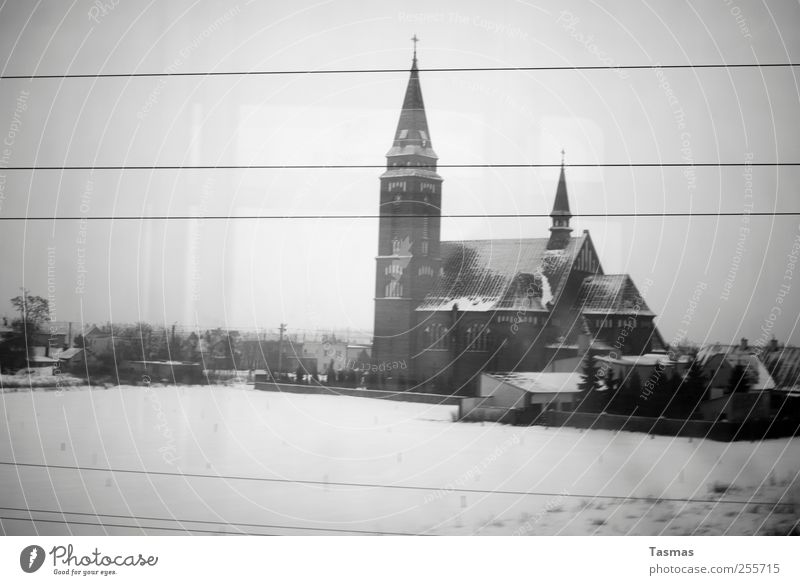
(76, 360)
(649, 366)
(507, 397)
(99, 342)
(783, 364)
(326, 352)
(719, 363)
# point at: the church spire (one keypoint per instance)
(412, 136)
(559, 229)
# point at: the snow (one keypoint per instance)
(547, 293)
(242, 433)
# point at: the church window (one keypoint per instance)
(435, 336)
(397, 186)
(394, 289)
(425, 270)
(424, 250)
(394, 269)
(395, 246)
(477, 337)
(403, 134)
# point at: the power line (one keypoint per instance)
(383, 166)
(380, 486)
(405, 70)
(398, 215)
(185, 521)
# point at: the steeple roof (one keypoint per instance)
(561, 203)
(412, 136)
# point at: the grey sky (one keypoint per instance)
(319, 273)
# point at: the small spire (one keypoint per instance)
(415, 40)
(560, 230)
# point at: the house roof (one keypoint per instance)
(784, 362)
(68, 353)
(734, 355)
(611, 294)
(491, 275)
(648, 359)
(541, 382)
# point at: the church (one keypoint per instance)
(453, 309)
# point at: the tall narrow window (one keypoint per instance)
(394, 289)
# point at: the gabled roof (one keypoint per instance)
(485, 275)
(784, 362)
(68, 353)
(712, 357)
(611, 294)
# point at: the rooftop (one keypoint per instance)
(541, 382)
(491, 275)
(611, 294)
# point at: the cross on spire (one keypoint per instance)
(562, 156)
(415, 40)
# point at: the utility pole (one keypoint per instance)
(282, 328)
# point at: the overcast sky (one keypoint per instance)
(317, 274)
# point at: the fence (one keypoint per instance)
(715, 430)
(358, 393)
(479, 409)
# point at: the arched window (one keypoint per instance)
(395, 245)
(477, 337)
(393, 289)
(435, 336)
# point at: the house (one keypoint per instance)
(651, 366)
(326, 352)
(518, 396)
(76, 360)
(358, 356)
(783, 364)
(99, 342)
(719, 363)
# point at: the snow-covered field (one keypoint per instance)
(364, 465)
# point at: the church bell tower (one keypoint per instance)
(408, 259)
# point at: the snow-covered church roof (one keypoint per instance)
(492, 275)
